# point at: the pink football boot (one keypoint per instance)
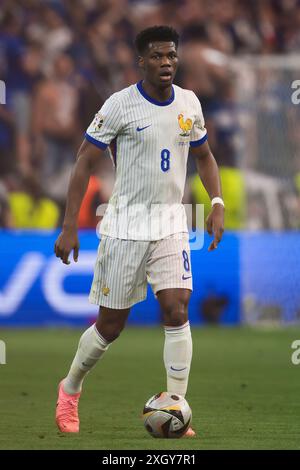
(189, 433)
(67, 418)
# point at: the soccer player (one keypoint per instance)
(144, 237)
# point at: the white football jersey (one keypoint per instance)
(149, 143)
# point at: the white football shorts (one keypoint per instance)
(123, 268)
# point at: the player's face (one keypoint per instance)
(160, 63)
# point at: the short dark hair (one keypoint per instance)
(155, 33)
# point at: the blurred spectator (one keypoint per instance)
(30, 207)
(87, 215)
(60, 60)
(7, 137)
(22, 106)
(98, 192)
(55, 126)
(234, 195)
(5, 216)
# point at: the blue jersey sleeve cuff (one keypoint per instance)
(196, 143)
(98, 143)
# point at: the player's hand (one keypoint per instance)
(66, 242)
(215, 225)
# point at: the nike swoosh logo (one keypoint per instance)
(139, 129)
(177, 370)
(185, 277)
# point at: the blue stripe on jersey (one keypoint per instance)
(196, 143)
(152, 100)
(96, 142)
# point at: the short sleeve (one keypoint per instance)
(106, 124)
(199, 133)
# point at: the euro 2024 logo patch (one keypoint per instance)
(98, 121)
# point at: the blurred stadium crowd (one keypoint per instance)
(60, 60)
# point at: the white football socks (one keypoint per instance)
(91, 347)
(177, 357)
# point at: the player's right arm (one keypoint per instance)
(87, 159)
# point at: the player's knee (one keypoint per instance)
(110, 332)
(176, 314)
(111, 335)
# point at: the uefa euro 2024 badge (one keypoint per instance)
(98, 121)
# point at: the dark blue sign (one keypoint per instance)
(36, 289)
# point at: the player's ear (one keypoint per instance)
(141, 62)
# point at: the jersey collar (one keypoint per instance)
(152, 100)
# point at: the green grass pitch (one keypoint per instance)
(244, 390)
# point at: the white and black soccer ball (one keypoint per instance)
(167, 415)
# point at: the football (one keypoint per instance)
(167, 415)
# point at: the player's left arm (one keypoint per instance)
(208, 171)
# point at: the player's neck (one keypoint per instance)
(159, 94)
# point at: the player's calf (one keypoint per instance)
(177, 357)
